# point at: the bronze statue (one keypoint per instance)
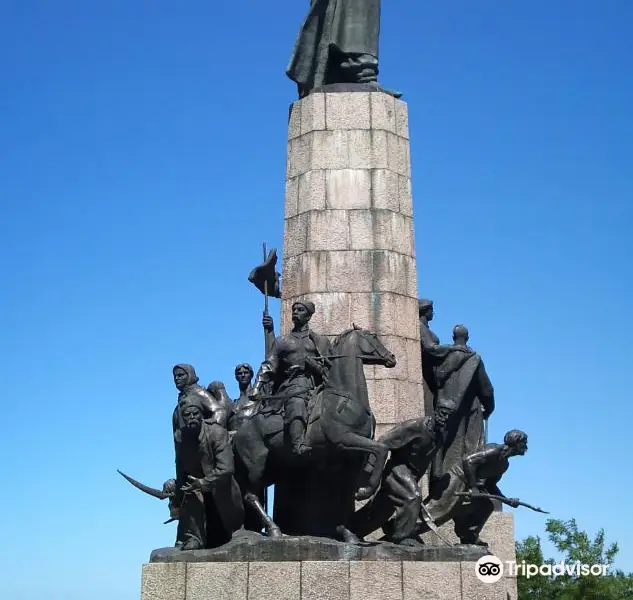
(337, 43)
(460, 376)
(427, 339)
(295, 367)
(340, 427)
(186, 382)
(207, 497)
(413, 445)
(244, 406)
(468, 500)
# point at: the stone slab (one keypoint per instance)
(248, 546)
(321, 580)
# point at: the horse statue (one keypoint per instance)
(341, 426)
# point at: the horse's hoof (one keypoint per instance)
(275, 532)
(364, 493)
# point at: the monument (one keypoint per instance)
(373, 433)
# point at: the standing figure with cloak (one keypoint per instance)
(461, 378)
(337, 43)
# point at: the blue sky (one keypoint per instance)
(142, 163)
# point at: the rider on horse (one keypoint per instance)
(296, 366)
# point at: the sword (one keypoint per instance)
(426, 517)
(145, 488)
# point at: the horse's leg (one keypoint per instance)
(271, 527)
(350, 441)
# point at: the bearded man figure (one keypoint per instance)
(215, 408)
(207, 497)
(296, 366)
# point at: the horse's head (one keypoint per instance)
(367, 347)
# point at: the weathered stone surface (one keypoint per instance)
(294, 121)
(292, 197)
(327, 580)
(219, 581)
(398, 155)
(376, 581)
(395, 273)
(296, 235)
(274, 581)
(384, 190)
(405, 196)
(367, 149)
(349, 188)
(402, 119)
(349, 271)
(306, 270)
(432, 581)
(311, 191)
(329, 149)
(383, 112)
(382, 393)
(328, 230)
(163, 581)
(499, 533)
(410, 403)
(312, 113)
(248, 546)
(474, 589)
(299, 155)
(347, 111)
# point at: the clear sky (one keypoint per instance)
(142, 164)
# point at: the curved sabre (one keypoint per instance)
(430, 523)
(145, 488)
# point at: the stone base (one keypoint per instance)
(318, 580)
(248, 546)
(252, 567)
(499, 533)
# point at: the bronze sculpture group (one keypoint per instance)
(304, 423)
(307, 413)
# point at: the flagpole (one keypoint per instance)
(265, 287)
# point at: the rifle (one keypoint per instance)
(500, 499)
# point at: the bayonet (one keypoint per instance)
(500, 499)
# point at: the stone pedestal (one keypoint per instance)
(252, 567)
(317, 580)
(349, 243)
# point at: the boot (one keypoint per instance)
(296, 431)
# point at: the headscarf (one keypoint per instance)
(192, 378)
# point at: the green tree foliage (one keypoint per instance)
(576, 547)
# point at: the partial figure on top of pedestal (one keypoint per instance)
(338, 44)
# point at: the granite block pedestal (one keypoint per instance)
(252, 567)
